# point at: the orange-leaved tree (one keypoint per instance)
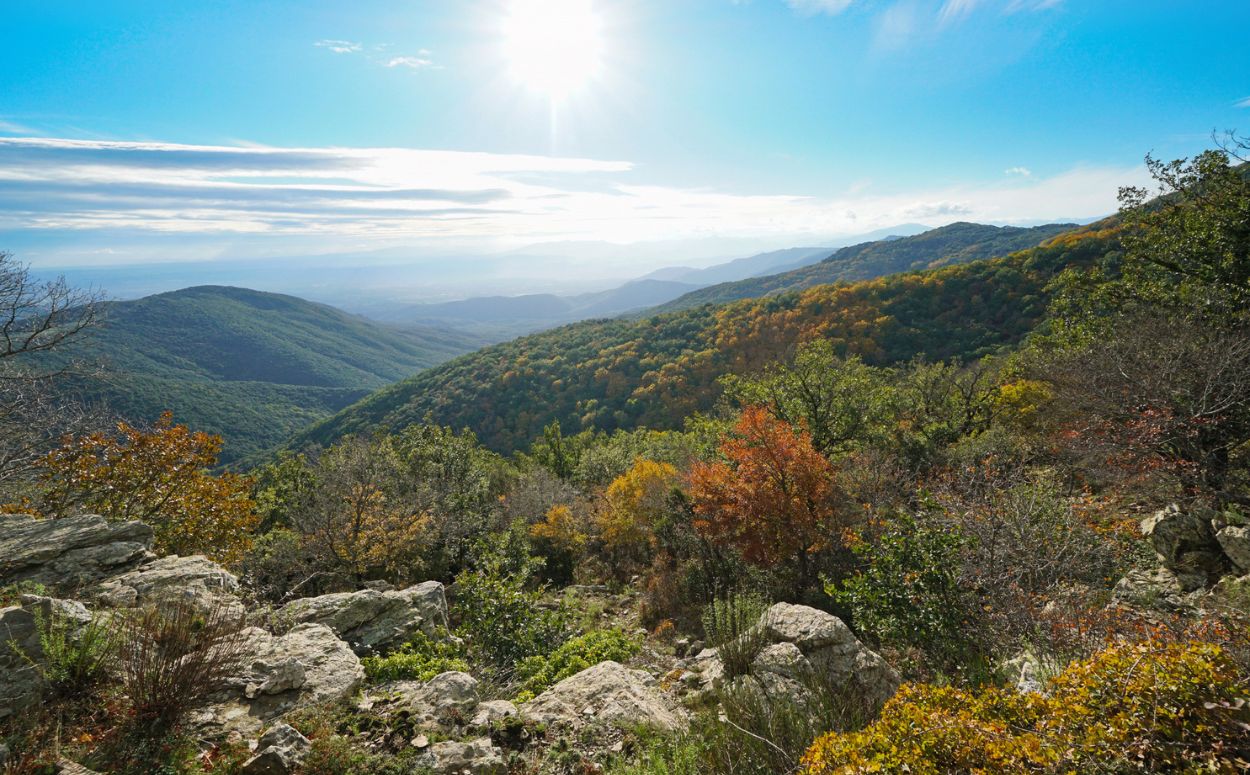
(773, 496)
(159, 476)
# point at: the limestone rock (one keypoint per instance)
(307, 666)
(21, 647)
(1158, 588)
(1235, 541)
(487, 713)
(446, 700)
(475, 757)
(69, 553)
(607, 692)
(197, 580)
(280, 751)
(1185, 542)
(374, 621)
(802, 641)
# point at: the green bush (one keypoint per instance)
(730, 626)
(420, 659)
(500, 611)
(540, 672)
(76, 657)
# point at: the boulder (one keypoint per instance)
(21, 647)
(1024, 672)
(1235, 541)
(375, 621)
(446, 700)
(608, 692)
(802, 643)
(69, 553)
(1185, 542)
(280, 751)
(475, 757)
(1158, 588)
(307, 666)
(488, 713)
(199, 581)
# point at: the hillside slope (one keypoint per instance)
(656, 371)
(957, 243)
(254, 367)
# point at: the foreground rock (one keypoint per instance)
(475, 757)
(280, 751)
(1235, 541)
(196, 580)
(69, 553)
(607, 692)
(1185, 542)
(21, 647)
(307, 666)
(373, 621)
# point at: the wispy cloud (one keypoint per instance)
(1244, 103)
(957, 9)
(14, 128)
(234, 196)
(1023, 172)
(340, 46)
(421, 60)
(812, 7)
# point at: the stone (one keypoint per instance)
(1235, 541)
(375, 621)
(21, 647)
(197, 580)
(1158, 588)
(67, 767)
(1024, 671)
(69, 553)
(1185, 542)
(446, 700)
(802, 642)
(307, 666)
(280, 751)
(607, 692)
(475, 757)
(488, 713)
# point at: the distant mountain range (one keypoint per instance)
(252, 366)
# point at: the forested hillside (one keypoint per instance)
(655, 372)
(957, 243)
(253, 367)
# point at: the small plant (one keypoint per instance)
(76, 657)
(420, 659)
(540, 672)
(11, 594)
(731, 625)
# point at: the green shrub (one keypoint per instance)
(730, 626)
(11, 594)
(420, 659)
(1137, 707)
(540, 672)
(76, 657)
(500, 612)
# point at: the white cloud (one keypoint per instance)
(339, 46)
(957, 9)
(387, 196)
(14, 128)
(811, 7)
(418, 62)
(1242, 103)
(1023, 172)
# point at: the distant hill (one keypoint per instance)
(254, 367)
(957, 243)
(740, 268)
(656, 371)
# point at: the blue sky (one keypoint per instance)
(194, 129)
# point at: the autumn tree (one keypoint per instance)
(160, 476)
(634, 503)
(773, 496)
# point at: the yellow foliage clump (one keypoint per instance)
(635, 500)
(1134, 707)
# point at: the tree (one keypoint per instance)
(773, 497)
(40, 323)
(636, 500)
(159, 476)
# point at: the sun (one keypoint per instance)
(554, 47)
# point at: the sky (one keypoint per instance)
(136, 131)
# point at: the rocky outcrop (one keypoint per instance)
(802, 643)
(69, 553)
(307, 666)
(1160, 589)
(1185, 542)
(21, 647)
(607, 692)
(475, 757)
(374, 621)
(1235, 541)
(196, 580)
(280, 751)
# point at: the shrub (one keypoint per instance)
(730, 626)
(76, 657)
(573, 656)
(500, 616)
(420, 659)
(1143, 707)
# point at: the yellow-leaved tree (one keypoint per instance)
(160, 476)
(636, 500)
